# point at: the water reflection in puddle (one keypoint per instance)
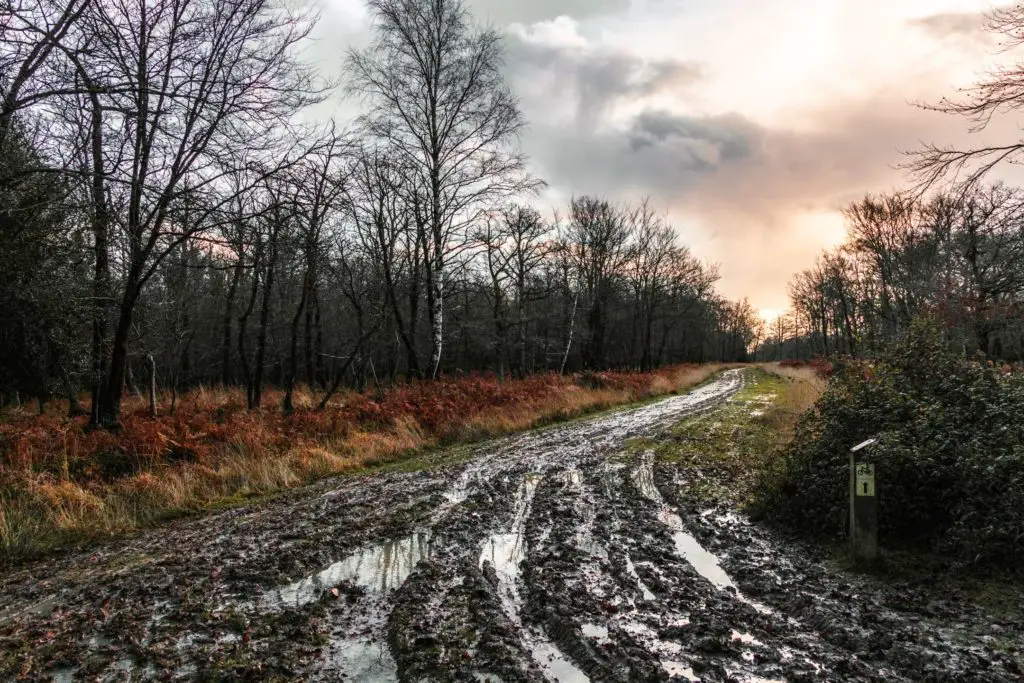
(595, 631)
(643, 479)
(693, 552)
(631, 568)
(687, 546)
(556, 667)
(379, 568)
(504, 551)
(679, 669)
(363, 661)
(704, 562)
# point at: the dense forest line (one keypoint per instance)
(166, 219)
(954, 256)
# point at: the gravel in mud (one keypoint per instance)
(561, 554)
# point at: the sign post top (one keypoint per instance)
(863, 444)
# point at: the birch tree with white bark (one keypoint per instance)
(434, 85)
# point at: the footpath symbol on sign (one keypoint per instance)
(865, 479)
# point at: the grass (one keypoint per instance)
(732, 451)
(62, 485)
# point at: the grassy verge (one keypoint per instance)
(61, 485)
(731, 451)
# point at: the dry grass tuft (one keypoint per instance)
(804, 386)
(807, 385)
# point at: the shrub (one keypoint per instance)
(950, 457)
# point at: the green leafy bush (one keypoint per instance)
(950, 458)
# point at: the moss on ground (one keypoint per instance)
(729, 449)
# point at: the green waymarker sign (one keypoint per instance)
(863, 503)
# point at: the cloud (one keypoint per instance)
(762, 201)
(951, 23)
(555, 66)
(965, 28)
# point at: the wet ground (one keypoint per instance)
(564, 554)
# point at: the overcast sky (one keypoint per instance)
(750, 122)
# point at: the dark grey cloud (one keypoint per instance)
(659, 152)
(593, 78)
(730, 136)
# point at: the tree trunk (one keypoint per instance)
(307, 343)
(101, 266)
(572, 329)
(152, 384)
(129, 379)
(261, 340)
(436, 312)
(110, 400)
(646, 364)
(229, 309)
(293, 350)
(243, 322)
(521, 324)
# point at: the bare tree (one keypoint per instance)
(999, 91)
(32, 33)
(599, 237)
(318, 188)
(441, 102)
(527, 246)
(648, 271)
(184, 88)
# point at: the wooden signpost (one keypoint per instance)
(863, 504)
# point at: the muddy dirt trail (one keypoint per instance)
(564, 554)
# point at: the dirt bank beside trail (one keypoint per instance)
(560, 554)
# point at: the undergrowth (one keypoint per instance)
(949, 457)
(61, 484)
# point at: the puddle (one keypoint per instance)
(679, 669)
(379, 568)
(643, 479)
(687, 546)
(631, 568)
(745, 638)
(689, 549)
(595, 631)
(364, 661)
(650, 637)
(556, 667)
(505, 551)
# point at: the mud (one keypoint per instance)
(562, 554)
